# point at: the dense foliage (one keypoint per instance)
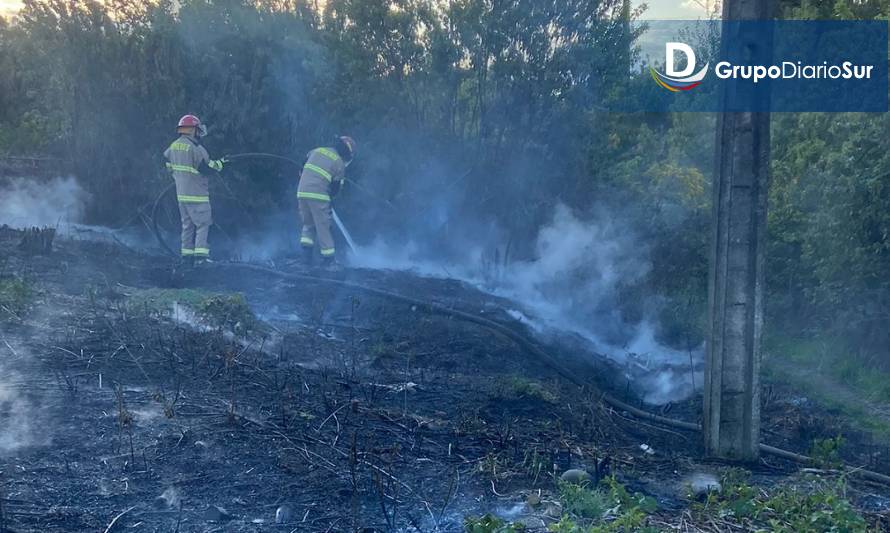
(470, 114)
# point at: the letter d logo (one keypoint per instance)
(678, 80)
(670, 52)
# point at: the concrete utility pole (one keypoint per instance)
(735, 301)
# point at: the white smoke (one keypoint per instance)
(59, 203)
(18, 414)
(17, 428)
(574, 280)
(573, 285)
(27, 202)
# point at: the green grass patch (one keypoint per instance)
(814, 506)
(855, 414)
(812, 351)
(828, 359)
(864, 420)
(16, 295)
(826, 453)
(583, 502)
(514, 387)
(490, 524)
(163, 300)
(831, 359)
(873, 382)
(607, 508)
(226, 311)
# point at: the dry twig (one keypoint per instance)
(116, 518)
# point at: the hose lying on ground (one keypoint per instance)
(517, 338)
(154, 221)
(499, 328)
(536, 350)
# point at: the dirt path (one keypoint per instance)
(833, 393)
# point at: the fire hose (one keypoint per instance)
(503, 330)
(540, 353)
(252, 155)
(261, 155)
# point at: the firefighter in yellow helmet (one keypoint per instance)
(190, 163)
(322, 178)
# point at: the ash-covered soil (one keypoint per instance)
(335, 410)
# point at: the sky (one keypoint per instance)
(9, 6)
(658, 9)
(675, 9)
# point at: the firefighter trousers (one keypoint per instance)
(316, 215)
(196, 221)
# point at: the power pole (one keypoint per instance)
(736, 285)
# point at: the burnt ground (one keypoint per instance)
(343, 410)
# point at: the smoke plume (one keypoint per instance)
(17, 429)
(18, 414)
(577, 283)
(28, 202)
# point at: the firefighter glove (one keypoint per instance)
(336, 187)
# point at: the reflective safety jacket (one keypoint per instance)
(323, 168)
(186, 158)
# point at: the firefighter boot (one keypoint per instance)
(306, 253)
(331, 265)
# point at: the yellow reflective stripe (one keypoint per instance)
(320, 171)
(182, 168)
(330, 154)
(314, 196)
(307, 241)
(327, 252)
(188, 199)
(188, 251)
(180, 147)
(202, 251)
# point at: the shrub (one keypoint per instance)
(584, 502)
(520, 387)
(815, 507)
(228, 311)
(15, 297)
(826, 453)
(490, 524)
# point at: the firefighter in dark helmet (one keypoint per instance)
(322, 178)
